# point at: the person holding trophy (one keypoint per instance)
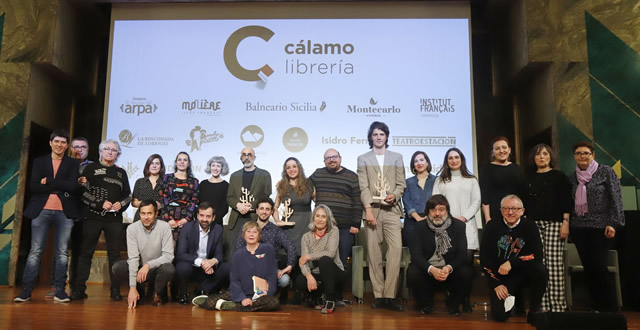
(382, 183)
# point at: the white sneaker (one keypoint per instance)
(199, 300)
(225, 305)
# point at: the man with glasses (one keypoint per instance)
(106, 195)
(80, 151)
(511, 257)
(338, 188)
(53, 203)
(246, 187)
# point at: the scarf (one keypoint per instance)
(581, 192)
(443, 241)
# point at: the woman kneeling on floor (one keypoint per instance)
(322, 270)
(253, 278)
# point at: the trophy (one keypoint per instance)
(381, 187)
(287, 213)
(246, 197)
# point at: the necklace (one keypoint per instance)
(319, 236)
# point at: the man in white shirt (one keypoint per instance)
(199, 255)
(382, 182)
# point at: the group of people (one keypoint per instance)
(178, 236)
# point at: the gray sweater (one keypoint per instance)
(153, 247)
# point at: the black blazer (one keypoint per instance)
(424, 245)
(65, 185)
(189, 240)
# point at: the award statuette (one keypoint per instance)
(246, 197)
(287, 213)
(381, 188)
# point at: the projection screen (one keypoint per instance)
(287, 79)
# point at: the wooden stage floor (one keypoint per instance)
(99, 312)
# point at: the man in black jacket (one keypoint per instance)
(53, 203)
(199, 255)
(511, 256)
(438, 256)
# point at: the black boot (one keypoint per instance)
(115, 294)
(466, 306)
(284, 295)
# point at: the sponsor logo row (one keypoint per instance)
(427, 107)
(294, 139)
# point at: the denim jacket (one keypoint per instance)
(414, 197)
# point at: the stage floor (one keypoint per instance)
(99, 312)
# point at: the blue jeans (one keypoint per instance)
(284, 281)
(39, 231)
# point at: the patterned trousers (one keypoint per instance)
(553, 299)
(262, 304)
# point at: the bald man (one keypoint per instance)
(257, 182)
(338, 188)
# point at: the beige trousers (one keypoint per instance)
(387, 229)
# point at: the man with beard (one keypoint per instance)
(438, 256)
(80, 151)
(150, 253)
(511, 256)
(199, 255)
(338, 188)
(246, 187)
(276, 237)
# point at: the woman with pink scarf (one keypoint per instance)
(597, 215)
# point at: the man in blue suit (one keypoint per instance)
(199, 255)
(53, 185)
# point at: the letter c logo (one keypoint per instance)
(231, 48)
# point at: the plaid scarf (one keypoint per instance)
(443, 241)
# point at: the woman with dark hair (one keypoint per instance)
(252, 278)
(500, 178)
(179, 194)
(416, 194)
(597, 215)
(462, 191)
(148, 187)
(322, 270)
(548, 203)
(297, 191)
(214, 189)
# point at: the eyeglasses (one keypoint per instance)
(334, 157)
(79, 147)
(246, 155)
(511, 209)
(115, 151)
(582, 154)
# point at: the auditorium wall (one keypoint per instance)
(581, 78)
(43, 73)
(559, 71)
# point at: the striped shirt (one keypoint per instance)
(340, 191)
